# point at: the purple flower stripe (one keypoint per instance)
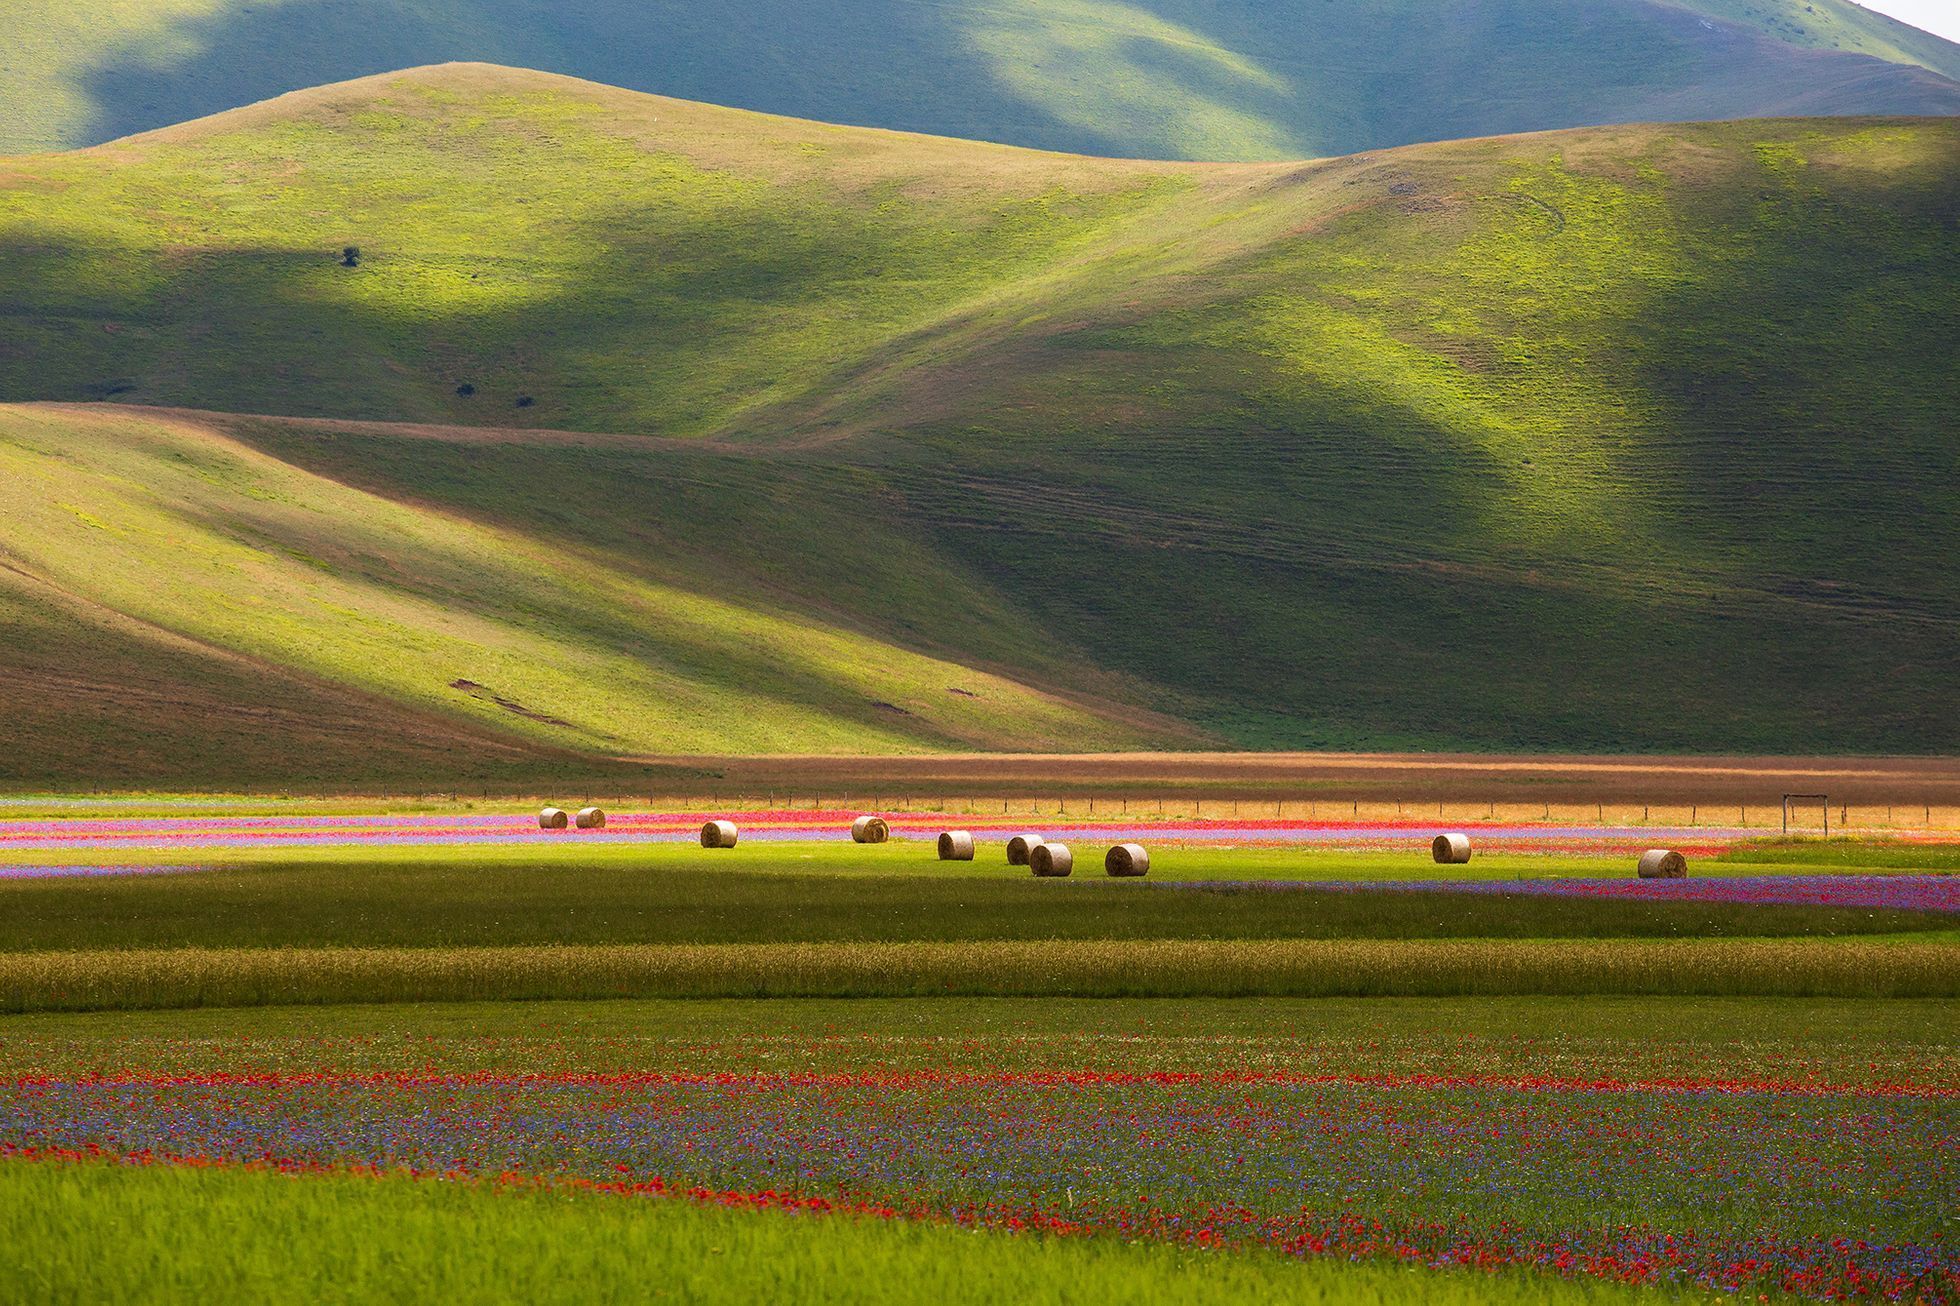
(1939, 893)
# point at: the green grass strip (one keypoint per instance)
(103, 1233)
(191, 977)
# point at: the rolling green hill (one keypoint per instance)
(1197, 79)
(406, 640)
(1629, 438)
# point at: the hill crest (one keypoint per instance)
(1198, 79)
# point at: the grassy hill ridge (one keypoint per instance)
(1201, 79)
(1621, 439)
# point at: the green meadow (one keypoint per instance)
(901, 444)
(106, 1233)
(830, 893)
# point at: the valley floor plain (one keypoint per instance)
(1337, 1073)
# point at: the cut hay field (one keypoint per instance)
(843, 441)
(153, 917)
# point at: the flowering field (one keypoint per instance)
(1931, 893)
(1516, 1140)
(1264, 1054)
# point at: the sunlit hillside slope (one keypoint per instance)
(143, 547)
(1198, 79)
(1617, 439)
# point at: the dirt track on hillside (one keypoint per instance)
(1366, 777)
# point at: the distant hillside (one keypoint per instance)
(1633, 438)
(1190, 79)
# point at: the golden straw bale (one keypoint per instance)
(1051, 860)
(1662, 864)
(1019, 846)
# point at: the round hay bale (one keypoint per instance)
(1451, 849)
(1051, 860)
(1020, 846)
(870, 829)
(590, 818)
(956, 846)
(1662, 864)
(718, 834)
(1127, 859)
(553, 818)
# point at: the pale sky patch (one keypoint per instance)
(1940, 17)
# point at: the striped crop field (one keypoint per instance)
(1758, 1156)
(194, 977)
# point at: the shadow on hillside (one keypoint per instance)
(1805, 382)
(659, 319)
(1821, 437)
(1013, 74)
(267, 330)
(892, 64)
(1322, 571)
(1318, 567)
(585, 604)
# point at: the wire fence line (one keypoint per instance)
(1767, 816)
